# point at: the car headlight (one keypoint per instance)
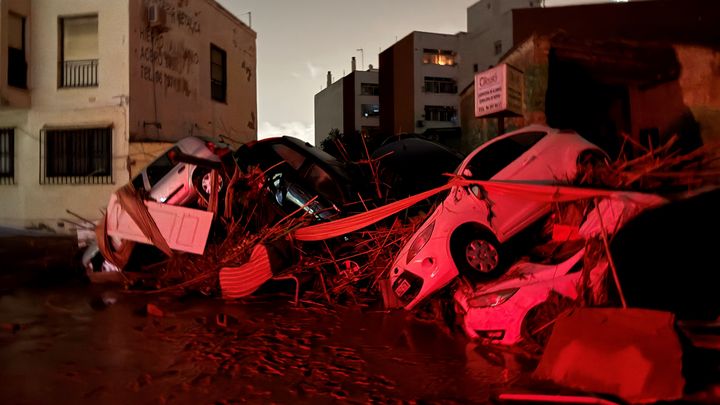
(492, 299)
(420, 241)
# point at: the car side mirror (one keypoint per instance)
(467, 173)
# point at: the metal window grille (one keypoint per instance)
(7, 156)
(369, 89)
(218, 74)
(76, 156)
(439, 113)
(440, 85)
(79, 73)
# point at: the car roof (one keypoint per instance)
(344, 174)
(526, 129)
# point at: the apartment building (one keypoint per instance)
(489, 35)
(419, 85)
(91, 89)
(350, 104)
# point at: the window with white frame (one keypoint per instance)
(76, 156)
(7, 156)
(79, 52)
(17, 63)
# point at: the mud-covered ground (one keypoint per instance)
(84, 344)
(65, 341)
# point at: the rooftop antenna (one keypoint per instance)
(249, 14)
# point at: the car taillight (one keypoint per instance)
(217, 150)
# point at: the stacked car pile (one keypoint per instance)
(515, 235)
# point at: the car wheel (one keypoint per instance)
(203, 182)
(477, 253)
(538, 324)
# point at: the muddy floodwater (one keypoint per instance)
(87, 344)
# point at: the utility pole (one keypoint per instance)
(362, 58)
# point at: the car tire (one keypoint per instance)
(201, 181)
(537, 326)
(477, 253)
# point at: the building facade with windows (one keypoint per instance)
(349, 104)
(90, 91)
(489, 35)
(419, 85)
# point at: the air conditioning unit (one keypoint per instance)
(156, 15)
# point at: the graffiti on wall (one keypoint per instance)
(165, 57)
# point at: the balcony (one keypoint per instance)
(79, 73)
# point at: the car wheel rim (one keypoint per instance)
(206, 183)
(481, 255)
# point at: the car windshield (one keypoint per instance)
(159, 168)
(499, 154)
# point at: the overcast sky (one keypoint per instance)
(298, 41)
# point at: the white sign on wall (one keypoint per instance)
(499, 90)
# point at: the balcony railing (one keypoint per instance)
(79, 73)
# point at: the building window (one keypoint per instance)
(498, 47)
(439, 57)
(370, 110)
(7, 156)
(369, 89)
(439, 113)
(440, 85)
(76, 156)
(17, 65)
(79, 51)
(218, 74)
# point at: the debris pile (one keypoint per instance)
(358, 266)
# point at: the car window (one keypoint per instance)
(159, 168)
(321, 181)
(138, 182)
(292, 157)
(496, 156)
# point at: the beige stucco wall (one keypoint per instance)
(142, 153)
(170, 73)
(28, 202)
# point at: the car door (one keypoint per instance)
(167, 180)
(511, 159)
